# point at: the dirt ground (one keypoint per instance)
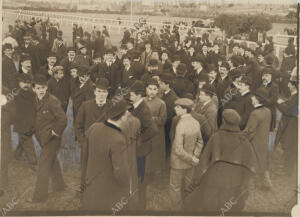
(22, 180)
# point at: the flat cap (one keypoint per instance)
(208, 88)
(83, 70)
(184, 102)
(24, 57)
(152, 81)
(7, 46)
(57, 68)
(231, 116)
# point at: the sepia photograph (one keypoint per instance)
(149, 107)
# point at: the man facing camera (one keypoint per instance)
(50, 123)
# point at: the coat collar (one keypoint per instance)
(112, 126)
(230, 128)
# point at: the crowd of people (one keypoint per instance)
(162, 101)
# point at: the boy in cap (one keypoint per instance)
(198, 66)
(84, 91)
(127, 75)
(58, 86)
(175, 63)
(24, 120)
(49, 126)
(146, 55)
(148, 131)
(257, 130)
(186, 148)
(9, 71)
(156, 159)
(82, 58)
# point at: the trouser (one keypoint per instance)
(180, 180)
(83, 162)
(26, 145)
(5, 155)
(141, 166)
(48, 168)
(167, 138)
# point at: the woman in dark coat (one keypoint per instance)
(224, 169)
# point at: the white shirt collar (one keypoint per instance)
(25, 70)
(199, 70)
(100, 103)
(167, 91)
(294, 92)
(245, 92)
(205, 103)
(258, 105)
(136, 104)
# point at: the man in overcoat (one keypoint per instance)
(288, 128)
(257, 131)
(89, 112)
(107, 180)
(224, 169)
(51, 121)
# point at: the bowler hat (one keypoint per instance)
(109, 51)
(181, 69)
(176, 58)
(237, 60)
(137, 86)
(231, 117)
(70, 49)
(74, 65)
(152, 81)
(102, 83)
(185, 102)
(24, 57)
(246, 80)
(235, 73)
(117, 107)
(225, 65)
(51, 54)
(268, 70)
(208, 88)
(210, 67)
(83, 70)
(153, 62)
(166, 77)
(97, 55)
(7, 46)
(27, 78)
(40, 79)
(262, 93)
(289, 50)
(269, 59)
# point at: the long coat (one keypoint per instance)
(148, 128)
(50, 116)
(107, 180)
(89, 112)
(25, 112)
(223, 171)
(60, 90)
(80, 95)
(132, 131)
(288, 126)
(273, 92)
(9, 73)
(257, 131)
(156, 159)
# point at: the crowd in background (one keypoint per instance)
(208, 110)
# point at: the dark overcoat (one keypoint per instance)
(107, 180)
(223, 172)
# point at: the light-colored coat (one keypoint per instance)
(187, 142)
(156, 159)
